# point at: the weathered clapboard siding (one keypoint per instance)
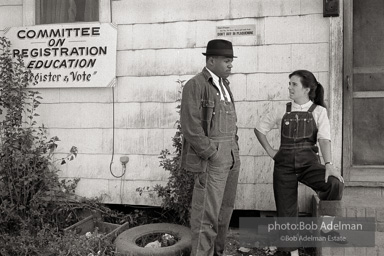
(285, 40)
(160, 42)
(141, 167)
(10, 14)
(11, 2)
(152, 11)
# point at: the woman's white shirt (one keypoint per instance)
(273, 118)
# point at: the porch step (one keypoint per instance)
(353, 206)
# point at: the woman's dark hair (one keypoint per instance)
(308, 80)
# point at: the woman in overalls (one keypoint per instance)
(304, 123)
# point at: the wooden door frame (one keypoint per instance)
(336, 85)
(368, 176)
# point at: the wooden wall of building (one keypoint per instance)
(160, 42)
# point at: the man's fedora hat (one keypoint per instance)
(219, 47)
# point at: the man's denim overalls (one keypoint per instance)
(215, 190)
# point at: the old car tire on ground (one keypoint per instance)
(126, 241)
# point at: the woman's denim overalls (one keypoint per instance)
(298, 160)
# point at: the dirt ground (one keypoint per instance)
(233, 246)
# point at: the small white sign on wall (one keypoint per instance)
(67, 55)
(236, 30)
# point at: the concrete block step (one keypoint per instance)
(353, 206)
(378, 250)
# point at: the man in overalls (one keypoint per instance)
(210, 149)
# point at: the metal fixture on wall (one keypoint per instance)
(124, 160)
(330, 8)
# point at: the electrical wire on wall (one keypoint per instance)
(113, 137)
(113, 140)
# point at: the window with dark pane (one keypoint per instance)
(66, 11)
(368, 134)
(368, 83)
